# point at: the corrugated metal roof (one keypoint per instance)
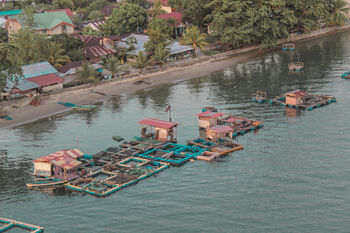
(221, 129)
(63, 154)
(46, 80)
(158, 123)
(298, 93)
(11, 12)
(68, 11)
(211, 114)
(98, 51)
(37, 69)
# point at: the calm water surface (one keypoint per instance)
(292, 176)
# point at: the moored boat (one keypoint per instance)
(346, 75)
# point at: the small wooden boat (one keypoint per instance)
(47, 183)
(288, 46)
(346, 75)
(84, 107)
(118, 138)
(296, 66)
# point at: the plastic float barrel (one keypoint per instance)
(310, 108)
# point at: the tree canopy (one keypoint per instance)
(128, 18)
(159, 32)
(9, 63)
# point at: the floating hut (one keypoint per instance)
(159, 130)
(58, 167)
(9, 225)
(259, 97)
(296, 66)
(208, 119)
(303, 100)
(346, 75)
(219, 132)
(288, 46)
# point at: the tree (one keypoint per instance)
(161, 55)
(9, 64)
(195, 12)
(156, 9)
(141, 3)
(89, 31)
(56, 54)
(3, 35)
(177, 4)
(194, 38)
(141, 61)
(95, 14)
(128, 18)
(63, 4)
(131, 41)
(113, 65)
(31, 45)
(87, 74)
(72, 46)
(159, 32)
(338, 13)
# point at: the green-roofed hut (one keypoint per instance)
(49, 23)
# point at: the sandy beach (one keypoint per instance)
(90, 94)
(98, 93)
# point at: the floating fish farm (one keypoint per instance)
(9, 225)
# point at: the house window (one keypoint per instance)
(44, 31)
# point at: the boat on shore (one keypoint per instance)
(346, 75)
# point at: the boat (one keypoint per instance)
(47, 183)
(346, 75)
(84, 107)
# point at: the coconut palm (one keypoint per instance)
(141, 61)
(56, 54)
(338, 16)
(113, 65)
(87, 74)
(194, 38)
(161, 55)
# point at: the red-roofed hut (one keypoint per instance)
(295, 97)
(208, 119)
(159, 130)
(219, 131)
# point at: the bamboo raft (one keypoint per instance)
(8, 225)
(308, 101)
(296, 66)
(288, 46)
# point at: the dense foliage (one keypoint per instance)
(128, 18)
(159, 32)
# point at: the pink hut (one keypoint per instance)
(159, 130)
(62, 164)
(209, 119)
(219, 131)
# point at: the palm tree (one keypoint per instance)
(87, 74)
(113, 65)
(161, 55)
(141, 61)
(194, 38)
(56, 54)
(338, 16)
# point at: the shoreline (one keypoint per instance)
(91, 94)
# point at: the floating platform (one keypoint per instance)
(288, 46)
(259, 97)
(296, 66)
(202, 143)
(173, 154)
(8, 225)
(346, 75)
(117, 176)
(240, 125)
(303, 100)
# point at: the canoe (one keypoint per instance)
(84, 107)
(47, 183)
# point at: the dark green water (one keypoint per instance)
(292, 176)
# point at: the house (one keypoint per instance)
(159, 130)
(6, 14)
(108, 10)
(62, 164)
(209, 119)
(68, 11)
(96, 25)
(295, 97)
(49, 23)
(175, 20)
(37, 78)
(96, 47)
(219, 132)
(176, 50)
